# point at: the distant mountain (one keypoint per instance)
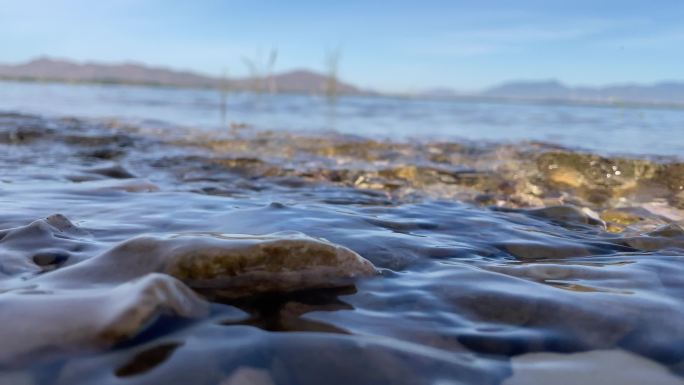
(659, 93)
(305, 81)
(547, 89)
(62, 70)
(47, 69)
(440, 92)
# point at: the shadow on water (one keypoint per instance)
(286, 312)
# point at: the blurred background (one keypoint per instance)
(602, 76)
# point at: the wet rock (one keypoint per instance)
(248, 167)
(592, 177)
(248, 376)
(568, 215)
(666, 236)
(526, 250)
(50, 258)
(620, 217)
(214, 354)
(63, 224)
(485, 199)
(671, 175)
(375, 361)
(100, 145)
(100, 173)
(147, 359)
(111, 297)
(105, 153)
(585, 304)
(23, 135)
(125, 185)
(115, 171)
(231, 265)
(600, 367)
(663, 210)
(670, 230)
(359, 149)
(50, 241)
(120, 140)
(94, 317)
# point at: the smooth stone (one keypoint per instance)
(114, 172)
(663, 237)
(533, 249)
(125, 185)
(620, 217)
(233, 265)
(245, 375)
(670, 230)
(598, 367)
(54, 306)
(27, 249)
(568, 214)
(38, 323)
(664, 210)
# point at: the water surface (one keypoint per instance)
(606, 129)
(503, 261)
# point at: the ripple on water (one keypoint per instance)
(440, 264)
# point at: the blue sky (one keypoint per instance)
(394, 46)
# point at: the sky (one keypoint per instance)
(399, 46)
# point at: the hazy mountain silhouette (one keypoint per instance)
(659, 93)
(47, 69)
(306, 81)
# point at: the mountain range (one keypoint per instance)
(47, 69)
(671, 92)
(306, 81)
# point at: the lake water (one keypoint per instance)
(613, 130)
(144, 239)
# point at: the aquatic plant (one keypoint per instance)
(332, 63)
(261, 71)
(223, 92)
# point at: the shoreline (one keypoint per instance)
(465, 98)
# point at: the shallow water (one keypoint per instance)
(493, 262)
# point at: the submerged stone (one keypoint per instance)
(112, 297)
(600, 367)
(30, 248)
(233, 265)
(568, 215)
(620, 217)
(52, 321)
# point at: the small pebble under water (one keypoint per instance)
(132, 255)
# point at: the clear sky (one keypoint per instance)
(387, 45)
